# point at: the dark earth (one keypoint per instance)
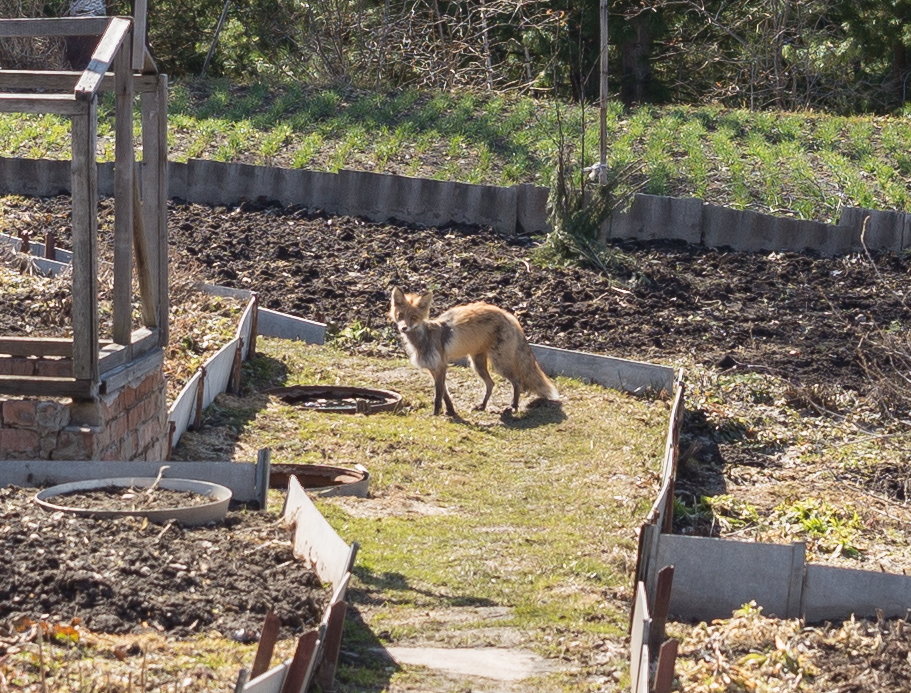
(795, 315)
(817, 322)
(122, 499)
(127, 575)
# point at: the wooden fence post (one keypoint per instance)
(266, 646)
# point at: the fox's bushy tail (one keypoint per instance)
(537, 381)
(520, 366)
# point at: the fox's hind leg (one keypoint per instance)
(479, 364)
(516, 391)
(440, 393)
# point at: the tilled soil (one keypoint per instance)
(127, 575)
(792, 314)
(809, 320)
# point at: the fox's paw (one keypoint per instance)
(479, 407)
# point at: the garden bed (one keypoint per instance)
(103, 595)
(32, 305)
(792, 431)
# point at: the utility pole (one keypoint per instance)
(602, 100)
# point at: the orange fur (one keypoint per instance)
(482, 332)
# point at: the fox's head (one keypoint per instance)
(409, 311)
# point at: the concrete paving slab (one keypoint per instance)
(485, 662)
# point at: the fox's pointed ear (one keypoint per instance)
(425, 300)
(398, 296)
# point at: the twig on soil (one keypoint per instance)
(149, 491)
(866, 439)
(264, 545)
(164, 530)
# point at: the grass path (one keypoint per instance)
(494, 532)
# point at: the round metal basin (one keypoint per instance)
(213, 509)
(338, 399)
(322, 479)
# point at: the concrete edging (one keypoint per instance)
(508, 209)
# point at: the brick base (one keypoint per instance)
(127, 424)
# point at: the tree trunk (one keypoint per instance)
(635, 62)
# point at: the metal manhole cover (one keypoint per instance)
(322, 479)
(338, 399)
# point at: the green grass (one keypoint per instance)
(532, 517)
(805, 165)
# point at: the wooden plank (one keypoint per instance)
(65, 80)
(270, 682)
(61, 104)
(148, 287)
(53, 26)
(254, 328)
(143, 341)
(332, 643)
(664, 673)
(243, 676)
(180, 412)
(46, 387)
(265, 648)
(661, 606)
(85, 248)
(796, 580)
(148, 63)
(620, 374)
(200, 399)
(115, 379)
(263, 469)
(234, 381)
(140, 23)
(112, 356)
(89, 84)
(155, 196)
(315, 540)
(301, 667)
(123, 195)
(271, 323)
(36, 346)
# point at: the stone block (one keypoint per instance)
(19, 443)
(75, 443)
(52, 416)
(20, 413)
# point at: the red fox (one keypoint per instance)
(479, 331)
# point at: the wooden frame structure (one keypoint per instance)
(120, 63)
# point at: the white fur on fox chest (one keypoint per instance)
(424, 349)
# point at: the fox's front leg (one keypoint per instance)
(440, 393)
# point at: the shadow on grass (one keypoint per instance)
(224, 421)
(539, 412)
(375, 584)
(364, 663)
